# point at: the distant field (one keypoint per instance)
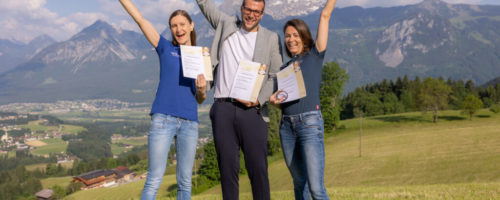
(64, 128)
(61, 181)
(53, 146)
(116, 150)
(35, 143)
(136, 141)
(35, 126)
(133, 141)
(10, 154)
(42, 166)
(205, 128)
(105, 116)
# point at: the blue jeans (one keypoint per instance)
(163, 129)
(301, 138)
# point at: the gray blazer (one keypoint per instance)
(267, 47)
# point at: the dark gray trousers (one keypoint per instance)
(234, 127)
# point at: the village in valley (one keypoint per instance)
(45, 131)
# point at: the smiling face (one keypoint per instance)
(293, 41)
(252, 12)
(181, 29)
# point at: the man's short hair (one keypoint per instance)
(264, 1)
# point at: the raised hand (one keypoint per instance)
(324, 19)
(146, 27)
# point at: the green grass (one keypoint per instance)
(126, 191)
(11, 154)
(428, 192)
(125, 114)
(61, 181)
(405, 149)
(64, 128)
(40, 166)
(136, 141)
(404, 156)
(54, 145)
(35, 126)
(7, 153)
(116, 150)
(106, 116)
(43, 166)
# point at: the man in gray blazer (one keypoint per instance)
(237, 123)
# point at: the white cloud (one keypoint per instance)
(112, 7)
(390, 3)
(373, 3)
(129, 25)
(23, 20)
(86, 19)
(464, 1)
(155, 11)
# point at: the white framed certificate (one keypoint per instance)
(196, 60)
(291, 81)
(248, 80)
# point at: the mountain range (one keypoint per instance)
(13, 53)
(432, 38)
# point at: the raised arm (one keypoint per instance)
(146, 27)
(211, 12)
(324, 19)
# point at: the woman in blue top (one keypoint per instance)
(301, 128)
(174, 111)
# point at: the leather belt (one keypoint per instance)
(232, 100)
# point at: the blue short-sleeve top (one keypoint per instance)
(311, 64)
(176, 94)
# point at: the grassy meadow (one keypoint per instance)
(43, 166)
(125, 191)
(404, 156)
(61, 181)
(136, 141)
(105, 116)
(64, 128)
(53, 145)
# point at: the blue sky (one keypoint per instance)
(22, 20)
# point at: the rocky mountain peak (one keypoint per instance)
(278, 9)
(38, 44)
(433, 5)
(99, 27)
(98, 42)
(99, 24)
(41, 41)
